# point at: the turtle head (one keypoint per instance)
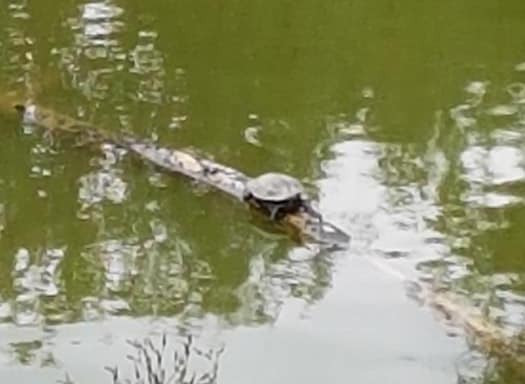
(246, 194)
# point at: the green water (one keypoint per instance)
(406, 120)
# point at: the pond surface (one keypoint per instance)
(405, 121)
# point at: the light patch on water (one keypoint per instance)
(512, 314)
(492, 199)
(354, 129)
(362, 114)
(37, 171)
(19, 10)
(403, 217)
(389, 223)
(120, 343)
(177, 121)
(460, 115)
(492, 166)
(157, 180)
(35, 278)
(351, 328)
(368, 92)
(350, 178)
(517, 92)
(94, 50)
(398, 242)
(271, 285)
(503, 110)
(6, 313)
(22, 260)
(119, 261)
(97, 30)
(520, 67)
(250, 135)
(95, 11)
(26, 310)
(477, 90)
(507, 136)
(159, 230)
(101, 185)
(96, 23)
(115, 306)
(147, 64)
(3, 221)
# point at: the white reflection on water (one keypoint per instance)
(495, 165)
(392, 210)
(98, 186)
(119, 262)
(148, 67)
(100, 53)
(271, 284)
(489, 172)
(99, 20)
(503, 110)
(491, 199)
(18, 54)
(100, 11)
(35, 277)
(95, 51)
(351, 329)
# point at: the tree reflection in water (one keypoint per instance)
(158, 362)
(465, 184)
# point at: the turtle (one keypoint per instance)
(276, 194)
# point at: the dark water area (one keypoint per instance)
(406, 122)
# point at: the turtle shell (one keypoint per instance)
(274, 187)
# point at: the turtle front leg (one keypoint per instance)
(274, 211)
